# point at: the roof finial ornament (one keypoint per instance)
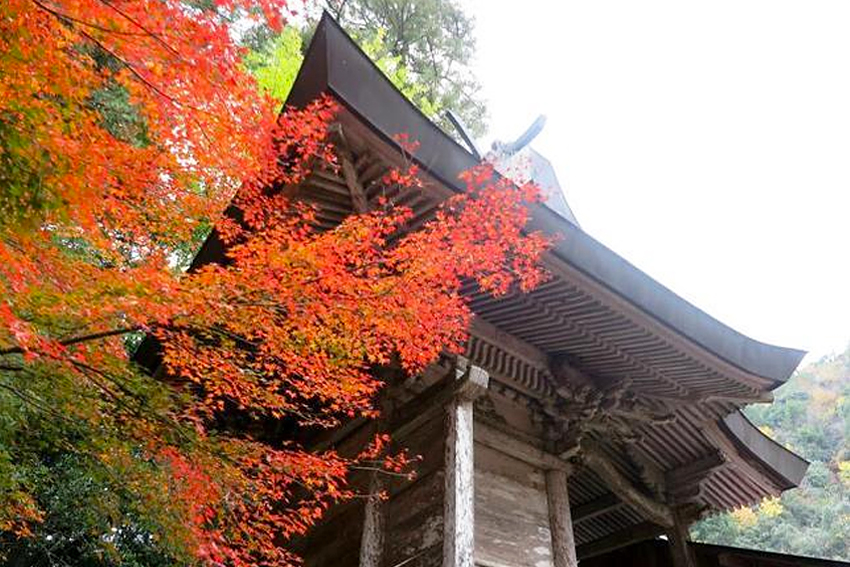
(507, 149)
(519, 162)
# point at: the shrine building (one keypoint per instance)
(597, 412)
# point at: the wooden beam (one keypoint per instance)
(459, 499)
(329, 438)
(757, 472)
(657, 512)
(650, 474)
(352, 181)
(625, 537)
(694, 471)
(426, 405)
(509, 445)
(730, 560)
(509, 343)
(372, 538)
(602, 505)
(560, 521)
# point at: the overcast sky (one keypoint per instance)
(706, 142)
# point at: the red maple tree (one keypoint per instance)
(95, 213)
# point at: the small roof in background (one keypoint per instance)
(527, 164)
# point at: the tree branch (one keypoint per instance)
(71, 19)
(141, 27)
(80, 339)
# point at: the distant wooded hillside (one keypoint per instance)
(811, 416)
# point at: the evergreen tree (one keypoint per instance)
(433, 40)
(811, 416)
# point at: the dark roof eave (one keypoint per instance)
(595, 260)
(784, 466)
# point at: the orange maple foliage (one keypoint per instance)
(288, 327)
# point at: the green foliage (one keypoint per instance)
(22, 194)
(79, 454)
(393, 67)
(423, 46)
(275, 62)
(811, 416)
(120, 118)
(433, 41)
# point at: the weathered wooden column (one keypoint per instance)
(459, 502)
(678, 538)
(560, 519)
(372, 539)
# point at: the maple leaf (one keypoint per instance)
(99, 209)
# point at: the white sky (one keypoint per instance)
(706, 142)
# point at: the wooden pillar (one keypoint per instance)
(678, 537)
(372, 538)
(560, 520)
(459, 501)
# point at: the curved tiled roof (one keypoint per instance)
(598, 309)
(334, 64)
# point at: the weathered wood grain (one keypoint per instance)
(414, 522)
(459, 503)
(512, 446)
(560, 521)
(680, 551)
(511, 521)
(656, 511)
(372, 539)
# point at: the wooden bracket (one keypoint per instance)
(684, 483)
(567, 377)
(657, 512)
(470, 381)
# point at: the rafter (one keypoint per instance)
(595, 508)
(754, 384)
